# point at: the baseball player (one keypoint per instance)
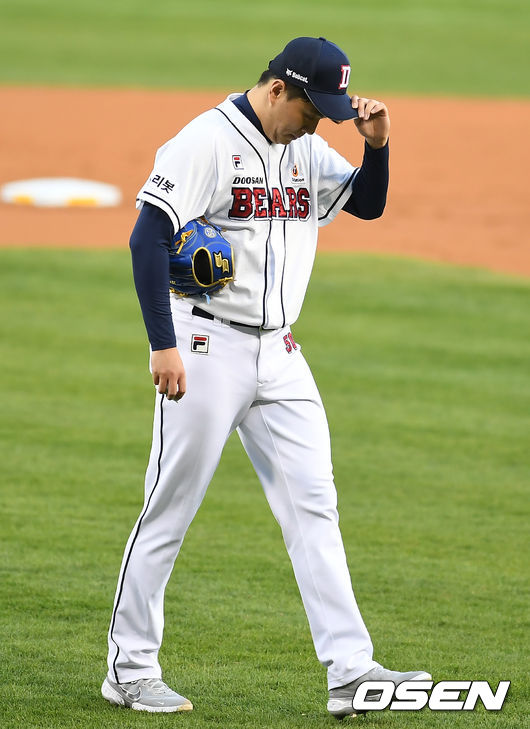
(254, 168)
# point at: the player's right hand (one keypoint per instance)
(168, 373)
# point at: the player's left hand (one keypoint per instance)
(373, 121)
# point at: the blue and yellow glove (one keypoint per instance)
(201, 260)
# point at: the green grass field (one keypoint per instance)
(424, 371)
(470, 47)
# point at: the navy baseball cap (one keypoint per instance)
(322, 70)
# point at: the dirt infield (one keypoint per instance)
(459, 171)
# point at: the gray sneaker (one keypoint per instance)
(340, 702)
(145, 694)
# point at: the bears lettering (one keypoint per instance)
(252, 202)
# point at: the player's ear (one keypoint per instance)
(277, 88)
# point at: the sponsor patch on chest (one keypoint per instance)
(296, 175)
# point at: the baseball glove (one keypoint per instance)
(201, 260)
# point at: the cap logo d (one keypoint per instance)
(345, 78)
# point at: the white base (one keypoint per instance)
(60, 192)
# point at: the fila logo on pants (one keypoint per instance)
(200, 343)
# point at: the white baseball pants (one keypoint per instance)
(258, 383)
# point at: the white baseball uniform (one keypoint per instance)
(269, 199)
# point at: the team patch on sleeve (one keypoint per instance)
(162, 183)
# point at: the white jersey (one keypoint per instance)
(269, 200)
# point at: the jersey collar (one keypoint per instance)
(244, 106)
(245, 125)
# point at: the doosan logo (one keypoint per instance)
(442, 696)
(247, 181)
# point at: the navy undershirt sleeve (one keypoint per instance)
(370, 186)
(150, 244)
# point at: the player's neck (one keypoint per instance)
(257, 98)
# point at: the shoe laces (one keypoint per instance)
(156, 685)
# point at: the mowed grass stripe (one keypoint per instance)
(423, 370)
(471, 47)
